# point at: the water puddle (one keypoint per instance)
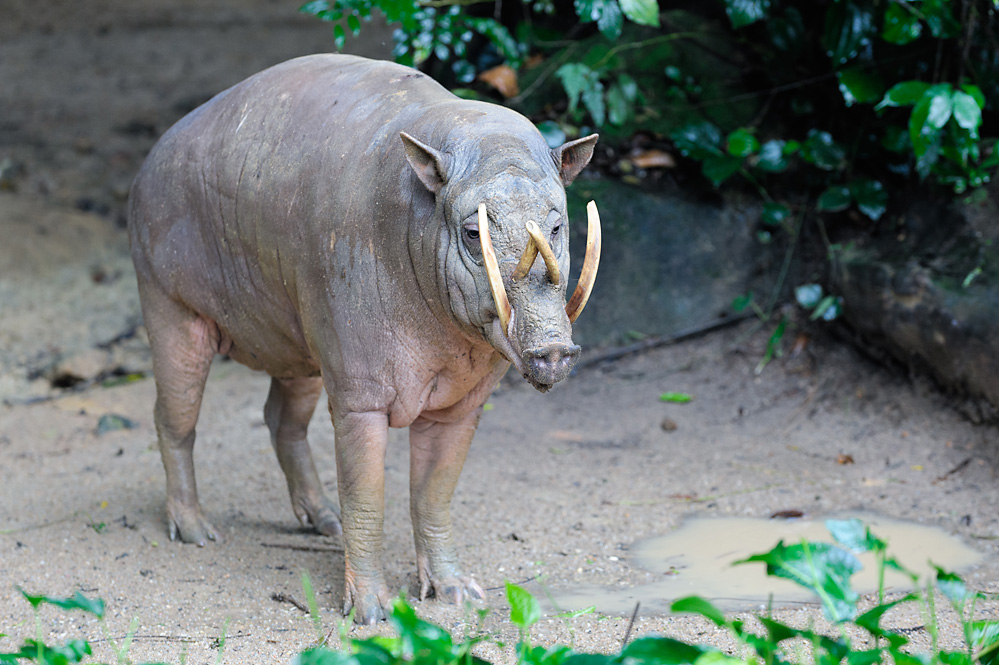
(697, 559)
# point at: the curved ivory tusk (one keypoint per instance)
(546, 251)
(528, 257)
(492, 270)
(589, 273)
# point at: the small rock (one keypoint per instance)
(668, 425)
(10, 171)
(111, 422)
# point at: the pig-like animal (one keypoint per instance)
(345, 223)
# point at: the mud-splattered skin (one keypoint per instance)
(289, 224)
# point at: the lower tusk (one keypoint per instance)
(546, 251)
(492, 270)
(527, 258)
(589, 273)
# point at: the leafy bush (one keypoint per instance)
(823, 568)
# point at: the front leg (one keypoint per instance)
(361, 439)
(437, 453)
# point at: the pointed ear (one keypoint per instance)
(571, 157)
(429, 164)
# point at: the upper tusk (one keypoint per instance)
(546, 251)
(492, 270)
(528, 257)
(590, 264)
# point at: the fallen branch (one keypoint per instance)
(285, 598)
(658, 340)
(302, 548)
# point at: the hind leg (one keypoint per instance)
(183, 345)
(289, 408)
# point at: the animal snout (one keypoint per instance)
(550, 364)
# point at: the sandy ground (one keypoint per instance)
(561, 485)
(558, 489)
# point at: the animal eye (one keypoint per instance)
(471, 233)
(555, 230)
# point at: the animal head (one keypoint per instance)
(503, 248)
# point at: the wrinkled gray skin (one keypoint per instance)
(289, 224)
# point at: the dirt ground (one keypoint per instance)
(558, 488)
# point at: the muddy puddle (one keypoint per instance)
(697, 559)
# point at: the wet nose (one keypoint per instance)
(551, 363)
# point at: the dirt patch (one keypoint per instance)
(560, 486)
(557, 486)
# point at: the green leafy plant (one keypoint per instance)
(823, 568)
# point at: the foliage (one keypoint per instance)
(823, 568)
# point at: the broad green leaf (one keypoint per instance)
(740, 303)
(743, 12)
(585, 659)
(73, 651)
(675, 398)
(860, 85)
(315, 7)
(741, 143)
(823, 568)
(721, 168)
(985, 641)
(524, 608)
(660, 651)
(539, 655)
(871, 197)
(643, 12)
(976, 94)
(324, 656)
(924, 134)
(848, 30)
(775, 214)
(698, 605)
(772, 157)
(952, 586)
(871, 621)
(834, 199)
(698, 140)
(828, 309)
(629, 87)
(575, 77)
(954, 657)
(419, 636)
(940, 18)
(611, 20)
(808, 295)
(354, 23)
(941, 106)
(777, 631)
(76, 602)
(821, 150)
(773, 345)
(905, 93)
(553, 133)
(855, 535)
(868, 657)
(593, 100)
(606, 14)
(901, 25)
(718, 658)
(339, 37)
(967, 112)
